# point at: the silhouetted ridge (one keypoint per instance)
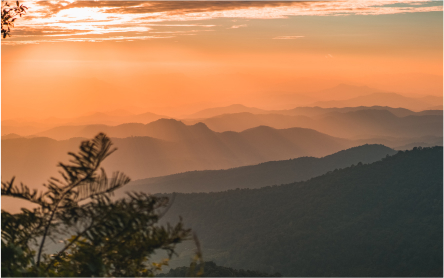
(316, 110)
(261, 128)
(235, 108)
(171, 147)
(166, 122)
(379, 219)
(381, 99)
(210, 269)
(263, 174)
(350, 122)
(201, 128)
(364, 113)
(11, 136)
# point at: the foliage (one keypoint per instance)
(109, 237)
(379, 219)
(210, 269)
(9, 16)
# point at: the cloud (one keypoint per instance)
(238, 26)
(112, 19)
(287, 37)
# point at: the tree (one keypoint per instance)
(106, 237)
(9, 16)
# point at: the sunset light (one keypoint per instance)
(281, 138)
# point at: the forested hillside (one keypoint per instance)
(381, 219)
(264, 174)
(210, 269)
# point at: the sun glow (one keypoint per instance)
(179, 53)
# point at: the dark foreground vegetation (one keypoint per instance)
(210, 269)
(381, 219)
(99, 236)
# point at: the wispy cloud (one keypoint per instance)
(238, 26)
(108, 20)
(287, 37)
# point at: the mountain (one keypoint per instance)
(360, 122)
(431, 112)
(114, 118)
(308, 111)
(245, 120)
(210, 269)
(379, 123)
(177, 148)
(344, 91)
(436, 107)
(235, 108)
(281, 100)
(168, 129)
(379, 219)
(22, 130)
(406, 143)
(340, 123)
(381, 99)
(264, 174)
(432, 99)
(117, 117)
(10, 136)
(318, 111)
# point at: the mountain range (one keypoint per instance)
(176, 148)
(264, 174)
(168, 146)
(349, 122)
(349, 97)
(26, 128)
(358, 122)
(385, 99)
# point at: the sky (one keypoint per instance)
(70, 58)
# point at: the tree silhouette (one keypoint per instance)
(106, 237)
(9, 16)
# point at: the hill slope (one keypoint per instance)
(381, 219)
(264, 174)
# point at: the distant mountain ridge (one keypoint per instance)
(353, 122)
(314, 111)
(383, 99)
(114, 118)
(234, 108)
(341, 122)
(99, 118)
(264, 174)
(169, 146)
(309, 111)
(177, 148)
(345, 91)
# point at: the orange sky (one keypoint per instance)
(68, 58)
